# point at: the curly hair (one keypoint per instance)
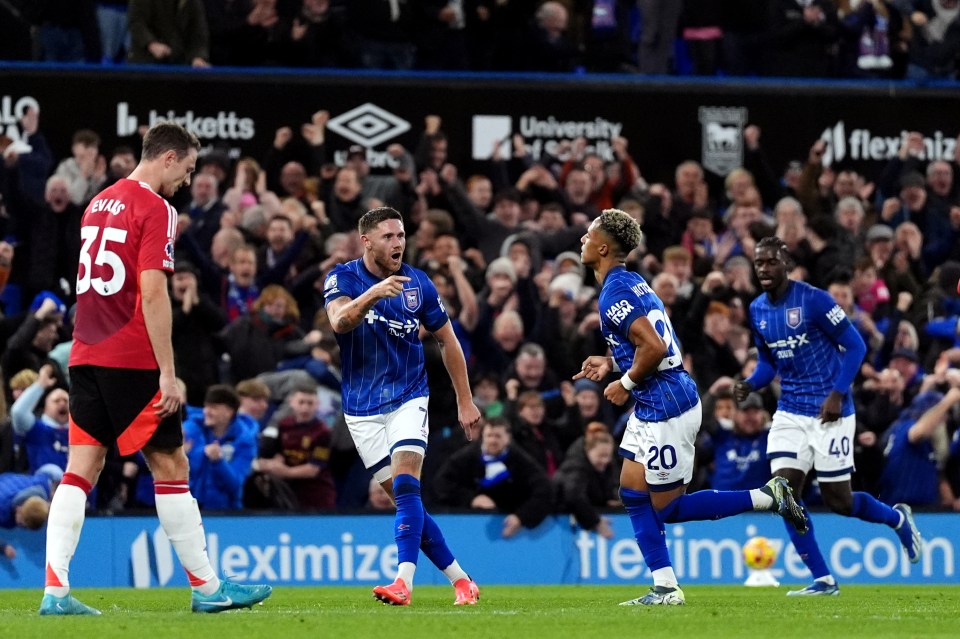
(621, 228)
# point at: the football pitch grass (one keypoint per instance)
(521, 612)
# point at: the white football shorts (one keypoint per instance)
(802, 442)
(377, 437)
(666, 449)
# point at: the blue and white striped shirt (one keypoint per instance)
(669, 391)
(382, 358)
(798, 335)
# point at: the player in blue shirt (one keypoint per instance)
(377, 305)
(805, 337)
(658, 443)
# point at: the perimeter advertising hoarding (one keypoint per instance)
(358, 550)
(665, 123)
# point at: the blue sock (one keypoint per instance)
(869, 508)
(409, 519)
(808, 549)
(707, 504)
(433, 545)
(647, 528)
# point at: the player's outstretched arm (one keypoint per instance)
(346, 313)
(452, 355)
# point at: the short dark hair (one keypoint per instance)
(282, 218)
(621, 228)
(776, 244)
(86, 137)
(499, 422)
(371, 218)
(168, 136)
(123, 149)
(222, 394)
(306, 387)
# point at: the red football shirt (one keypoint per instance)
(126, 229)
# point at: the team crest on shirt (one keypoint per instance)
(411, 298)
(331, 285)
(794, 317)
(168, 254)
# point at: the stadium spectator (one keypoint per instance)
(660, 19)
(34, 165)
(381, 34)
(588, 480)
(258, 341)
(196, 320)
(167, 33)
(29, 347)
(205, 210)
(221, 445)
(45, 437)
(737, 454)
(50, 231)
(254, 399)
(491, 474)
(315, 37)
(25, 499)
(112, 22)
(802, 37)
(297, 451)
(936, 40)
(547, 46)
(910, 470)
(67, 30)
(86, 171)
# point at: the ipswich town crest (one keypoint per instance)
(794, 317)
(411, 298)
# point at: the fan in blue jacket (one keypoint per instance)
(221, 446)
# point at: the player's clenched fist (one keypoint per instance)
(740, 390)
(390, 287)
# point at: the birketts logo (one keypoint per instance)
(542, 134)
(368, 125)
(225, 125)
(722, 138)
(864, 144)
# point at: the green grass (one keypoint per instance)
(505, 612)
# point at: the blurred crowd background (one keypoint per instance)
(257, 235)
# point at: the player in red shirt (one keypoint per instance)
(123, 385)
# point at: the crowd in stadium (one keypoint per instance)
(916, 39)
(257, 237)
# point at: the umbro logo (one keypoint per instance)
(368, 125)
